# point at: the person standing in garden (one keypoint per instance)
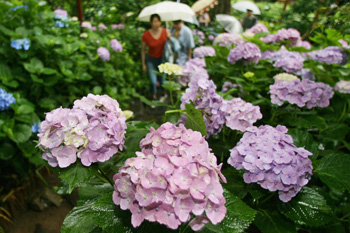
(249, 21)
(185, 37)
(154, 39)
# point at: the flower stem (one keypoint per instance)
(104, 175)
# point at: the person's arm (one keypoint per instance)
(143, 56)
(189, 53)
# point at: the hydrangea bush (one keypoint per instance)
(175, 175)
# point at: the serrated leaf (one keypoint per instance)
(333, 170)
(77, 175)
(195, 120)
(271, 221)
(94, 190)
(238, 217)
(307, 208)
(77, 221)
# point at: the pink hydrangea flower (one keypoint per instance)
(175, 175)
(116, 46)
(103, 53)
(94, 130)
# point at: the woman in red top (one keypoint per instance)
(154, 39)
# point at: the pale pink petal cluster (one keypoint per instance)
(240, 115)
(173, 177)
(94, 130)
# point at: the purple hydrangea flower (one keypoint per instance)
(103, 53)
(240, 115)
(289, 34)
(227, 39)
(116, 46)
(270, 159)
(94, 130)
(102, 27)
(269, 39)
(344, 44)
(227, 85)
(305, 44)
(204, 51)
(269, 55)
(291, 62)
(258, 28)
(119, 26)
(330, 55)
(61, 14)
(201, 91)
(6, 99)
(306, 74)
(193, 69)
(343, 86)
(302, 93)
(247, 51)
(175, 175)
(86, 25)
(211, 37)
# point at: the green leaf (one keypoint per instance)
(333, 170)
(270, 221)
(108, 216)
(236, 185)
(77, 175)
(195, 120)
(77, 221)
(171, 85)
(35, 66)
(6, 31)
(336, 131)
(7, 151)
(304, 139)
(238, 217)
(94, 190)
(309, 122)
(21, 133)
(49, 71)
(307, 208)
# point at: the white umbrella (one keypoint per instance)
(246, 5)
(168, 11)
(230, 23)
(202, 4)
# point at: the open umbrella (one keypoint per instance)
(168, 11)
(203, 4)
(246, 5)
(230, 23)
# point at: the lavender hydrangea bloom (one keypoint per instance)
(94, 130)
(302, 93)
(240, 115)
(6, 99)
(175, 175)
(289, 34)
(344, 44)
(193, 69)
(119, 26)
(269, 39)
(227, 85)
(270, 159)
(306, 74)
(61, 14)
(211, 37)
(116, 46)
(201, 91)
(291, 62)
(343, 86)
(258, 28)
(247, 51)
(330, 55)
(102, 27)
(227, 39)
(204, 51)
(103, 53)
(269, 55)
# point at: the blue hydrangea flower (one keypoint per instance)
(36, 127)
(20, 43)
(6, 99)
(25, 7)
